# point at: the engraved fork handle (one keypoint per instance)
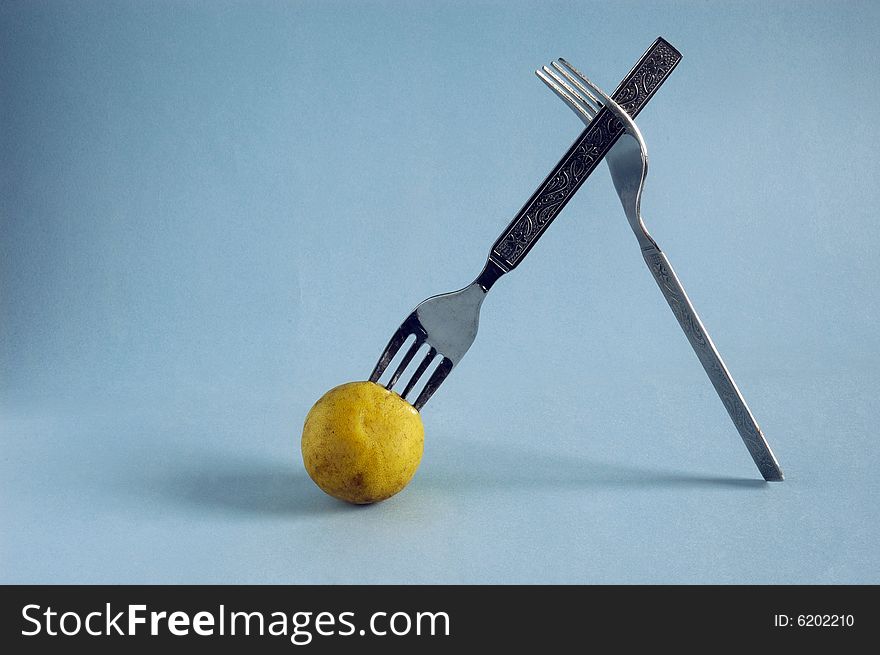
(581, 159)
(712, 363)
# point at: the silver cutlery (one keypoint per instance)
(628, 162)
(443, 327)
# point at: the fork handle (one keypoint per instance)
(708, 355)
(582, 158)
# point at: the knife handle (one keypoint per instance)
(582, 157)
(712, 363)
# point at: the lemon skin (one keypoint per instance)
(362, 443)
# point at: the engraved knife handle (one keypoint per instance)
(582, 157)
(712, 363)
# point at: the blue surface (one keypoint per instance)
(212, 213)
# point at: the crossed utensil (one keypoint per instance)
(442, 328)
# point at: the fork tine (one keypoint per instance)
(563, 77)
(434, 382)
(407, 358)
(572, 75)
(618, 111)
(390, 351)
(432, 353)
(580, 79)
(586, 114)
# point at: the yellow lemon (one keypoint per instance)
(362, 443)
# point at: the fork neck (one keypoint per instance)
(490, 274)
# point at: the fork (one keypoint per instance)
(628, 162)
(446, 325)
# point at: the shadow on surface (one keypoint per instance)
(249, 487)
(240, 485)
(484, 465)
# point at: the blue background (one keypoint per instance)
(214, 212)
